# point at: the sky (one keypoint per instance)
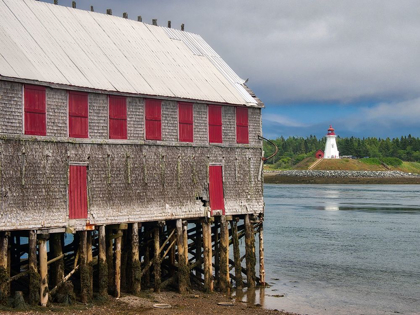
(353, 64)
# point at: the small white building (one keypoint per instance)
(331, 150)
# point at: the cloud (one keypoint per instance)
(282, 120)
(341, 51)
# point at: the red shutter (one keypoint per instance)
(242, 134)
(215, 124)
(153, 120)
(117, 117)
(78, 115)
(186, 119)
(35, 110)
(217, 201)
(78, 192)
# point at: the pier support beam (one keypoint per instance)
(183, 272)
(34, 278)
(208, 257)
(261, 253)
(43, 269)
(156, 260)
(250, 252)
(110, 262)
(4, 266)
(85, 282)
(118, 242)
(57, 268)
(236, 254)
(224, 255)
(135, 257)
(102, 263)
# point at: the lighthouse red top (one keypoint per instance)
(331, 131)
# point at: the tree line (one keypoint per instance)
(294, 149)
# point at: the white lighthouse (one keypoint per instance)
(331, 150)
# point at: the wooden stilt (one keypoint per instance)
(224, 255)
(198, 246)
(4, 274)
(103, 266)
(183, 273)
(185, 238)
(237, 254)
(125, 252)
(57, 268)
(90, 262)
(34, 278)
(118, 241)
(110, 262)
(261, 254)
(172, 253)
(43, 269)
(84, 267)
(216, 251)
(249, 252)
(156, 260)
(135, 256)
(147, 257)
(207, 249)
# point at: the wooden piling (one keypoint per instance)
(34, 278)
(4, 273)
(261, 254)
(224, 255)
(85, 296)
(198, 246)
(57, 268)
(102, 263)
(90, 261)
(147, 236)
(110, 262)
(249, 252)
(216, 250)
(118, 242)
(156, 259)
(135, 257)
(43, 269)
(236, 254)
(208, 257)
(183, 272)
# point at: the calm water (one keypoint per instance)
(343, 249)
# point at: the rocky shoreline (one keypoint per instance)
(340, 177)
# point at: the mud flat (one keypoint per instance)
(158, 304)
(340, 177)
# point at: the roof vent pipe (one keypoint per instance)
(169, 24)
(91, 8)
(125, 15)
(154, 22)
(139, 18)
(182, 26)
(109, 11)
(55, 1)
(73, 4)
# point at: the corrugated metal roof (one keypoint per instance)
(55, 44)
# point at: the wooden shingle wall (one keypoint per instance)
(128, 180)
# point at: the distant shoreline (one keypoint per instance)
(340, 177)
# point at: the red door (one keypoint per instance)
(217, 201)
(78, 192)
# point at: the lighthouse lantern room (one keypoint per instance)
(331, 150)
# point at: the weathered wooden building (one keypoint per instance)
(136, 142)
